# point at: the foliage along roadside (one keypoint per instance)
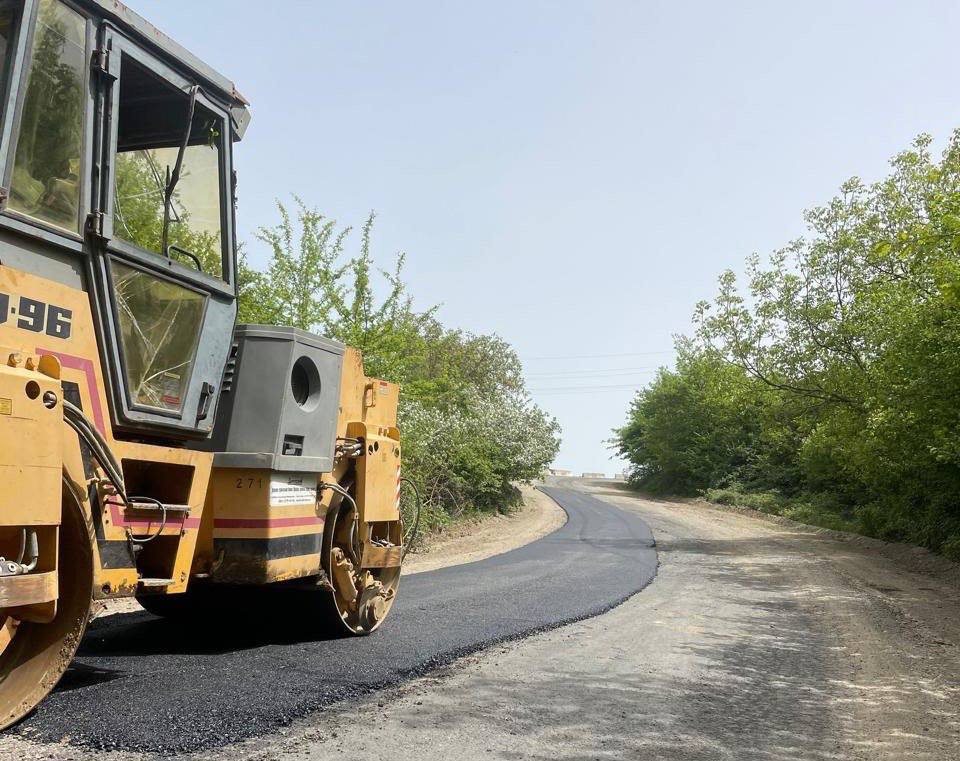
(468, 425)
(828, 389)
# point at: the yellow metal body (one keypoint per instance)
(372, 417)
(31, 460)
(40, 456)
(31, 466)
(251, 509)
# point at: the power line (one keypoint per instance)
(603, 356)
(571, 389)
(594, 392)
(594, 372)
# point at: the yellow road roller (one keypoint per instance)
(149, 446)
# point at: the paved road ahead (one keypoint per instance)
(141, 683)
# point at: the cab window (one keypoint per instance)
(160, 324)
(46, 171)
(170, 211)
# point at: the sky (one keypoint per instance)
(573, 176)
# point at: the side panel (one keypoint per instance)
(266, 525)
(378, 472)
(363, 399)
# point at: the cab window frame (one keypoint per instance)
(15, 91)
(124, 378)
(142, 258)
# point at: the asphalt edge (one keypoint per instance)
(400, 678)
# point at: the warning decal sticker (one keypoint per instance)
(293, 489)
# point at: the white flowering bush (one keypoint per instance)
(468, 456)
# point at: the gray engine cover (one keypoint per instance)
(268, 419)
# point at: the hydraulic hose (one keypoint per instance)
(29, 551)
(32, 548)
(356, 516)
(163, 521)
(74, 417)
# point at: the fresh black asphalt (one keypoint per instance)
(141, 683)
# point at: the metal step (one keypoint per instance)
(155, 582)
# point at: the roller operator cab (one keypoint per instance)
(150, 447)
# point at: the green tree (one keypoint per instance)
(850, 341)
(469, 427)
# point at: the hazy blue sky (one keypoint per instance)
(572, 175)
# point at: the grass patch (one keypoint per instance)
(814, 510)
(938, 533)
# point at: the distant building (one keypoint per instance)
(593, 475)
(560, 472)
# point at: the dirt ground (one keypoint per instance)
(756, 641)
(469, 541)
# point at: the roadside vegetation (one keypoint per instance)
(468, 425)
(826, 386)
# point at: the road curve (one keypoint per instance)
(144, 684)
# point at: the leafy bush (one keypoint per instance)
(723, 496)
(468, 455)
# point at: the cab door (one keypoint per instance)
(164, 255)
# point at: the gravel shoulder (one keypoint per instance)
(756, 641)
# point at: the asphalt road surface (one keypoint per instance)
(144, 684)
